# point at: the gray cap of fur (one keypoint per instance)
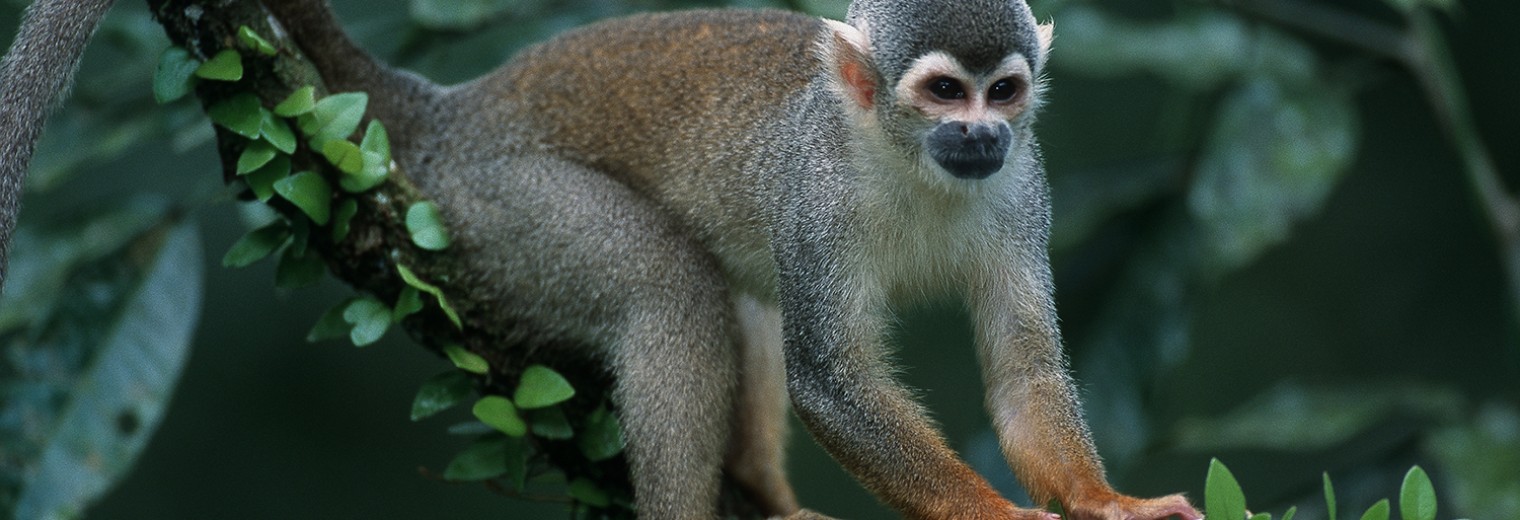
(979, 33)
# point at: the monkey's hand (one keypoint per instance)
(1017, 514)
(1120, 507)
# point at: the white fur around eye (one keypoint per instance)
(926, 67)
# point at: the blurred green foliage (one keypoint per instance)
(1266, 250)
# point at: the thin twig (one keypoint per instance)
(1432, 64)
(1422, 49)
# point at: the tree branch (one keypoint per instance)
(1422, 50)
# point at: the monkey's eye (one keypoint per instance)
(947, 88)
(1003, 91)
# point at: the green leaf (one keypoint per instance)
(471, 429)
(493, 456)
(370, 318)
(299, 102)
(262, 181)
(375, 150)
(309, 192)
(1222, 497)
(331, 325)
(601, 439)
(585, 491)
(456, 15)
(441, 392)
(377, 140)
(256, 244)
(334, 117)
(517, 463)
(551, 423)
(409, 302)
(484, 459)
(1483, 444)
(411, 279)
(255, 156)
(1329, 496)
(1417, 497)
(256, 43)
(175, 75)
(225, 66)
(466, 360)
(46, 259)
(96, 384)
(344, 155)
(1289, 514)
(1378, 511)
(240, 114)
(498, 412)
(541, 387)
(1277, 418)
(426, 226)
(296, 270)
(1409, 6)
(1262, 516)
(1272, 158)
(342, 218)
(300, 236)
(277, 132)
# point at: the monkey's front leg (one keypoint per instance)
(1033, 402)
(846, 395)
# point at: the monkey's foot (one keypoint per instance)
(1120, 507)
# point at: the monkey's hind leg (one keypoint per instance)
(674, 371)
(570, 253)
(672, 357)
(757, 453)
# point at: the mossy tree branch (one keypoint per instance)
(378, 241)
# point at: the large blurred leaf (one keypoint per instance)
(86, 382)
(42, 260)
(1483, 457)
(1197, 52)
(1295, 417)
(1271, 159)
(457, 14)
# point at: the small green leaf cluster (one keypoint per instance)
(1223, 498)
(266, 166)
(518, 433)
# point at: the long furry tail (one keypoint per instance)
(347, 67)
(35, 76)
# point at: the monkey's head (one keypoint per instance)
(950, 84)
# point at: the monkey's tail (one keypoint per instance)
(35, 76)
(396, 96)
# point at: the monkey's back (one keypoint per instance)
(620, 92)
(674, 104)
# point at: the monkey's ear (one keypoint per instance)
(1046, 32)
(847, 53)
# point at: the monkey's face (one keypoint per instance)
(966, 119)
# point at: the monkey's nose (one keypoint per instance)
(970, 150)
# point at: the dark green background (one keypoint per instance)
(1395, 281)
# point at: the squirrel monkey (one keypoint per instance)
(724, 206)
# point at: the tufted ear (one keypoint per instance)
(847, 53)
(1046, 32)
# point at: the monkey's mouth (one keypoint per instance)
(973, 166)
(969, 151)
